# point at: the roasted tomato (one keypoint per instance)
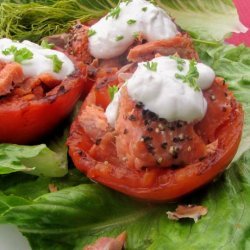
(147, 157)
(32, 107)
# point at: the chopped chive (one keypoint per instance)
(136, 35)
(20, 55)
(57, 63)
(46, 45)
(127, 1)
(112, 91)
(11, 50)
(153, 2)
(144, 9)
(191, 77)
(180, 62)
(114, 13)
(151, 66)
(131, 21)
(180, 67)
(119, 38)
(91, 32)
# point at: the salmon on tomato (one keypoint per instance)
(38, 89)
(148, 157)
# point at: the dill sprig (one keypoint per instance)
(191, 77)
(35, 20)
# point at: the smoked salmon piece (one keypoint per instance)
(10, 75)
(155, 142)
(78, 43)
(140, 139)
(36, 86)
(108, 243)
(181, 45)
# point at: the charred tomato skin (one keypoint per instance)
(26, 121)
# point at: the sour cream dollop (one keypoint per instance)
(40, 62)
(114, 33)
(165, 94)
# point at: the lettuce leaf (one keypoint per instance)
(41, 160)
(76, 216)
(37, 160)
(233, 64)
(210, 20)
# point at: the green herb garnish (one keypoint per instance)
(127, 1)
(131, 21)
(180, 62)
(112, 91)
(20, 55)
(119, 38)
(114, 13)
(91, 32)
(10, 51)
(57, 63)
(191, 77)
(151, 66)
(136, 35)
(46, 45)
(153, 2)
(144, 9)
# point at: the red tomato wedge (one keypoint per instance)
(98, 151)
(25, 120)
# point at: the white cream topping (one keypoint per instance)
(165, 94)
(113, 109)
(39, 63)
(112, 35)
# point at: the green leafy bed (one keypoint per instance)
(81, 211)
